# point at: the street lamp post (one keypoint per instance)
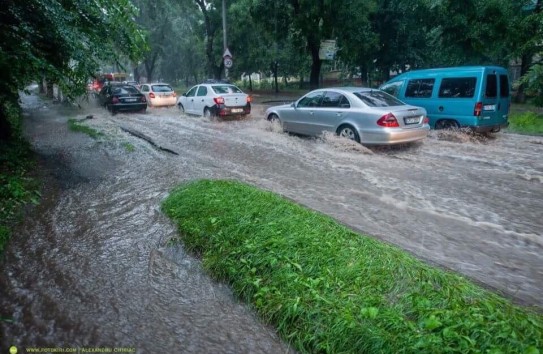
(225, 43)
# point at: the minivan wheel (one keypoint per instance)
(447, 124)
(346, 131)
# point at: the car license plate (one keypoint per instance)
(130, 99)
(237, 110)
(489, 107)
(411, 120)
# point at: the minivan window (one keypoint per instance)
(420, 88)
(393, 88)
(457, 87)
(504, 86)
(491, 90)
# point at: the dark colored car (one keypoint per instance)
(117, 98)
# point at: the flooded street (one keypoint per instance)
(91, 265)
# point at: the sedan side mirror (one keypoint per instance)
(185, 94)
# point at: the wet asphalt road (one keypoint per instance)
(91, 265)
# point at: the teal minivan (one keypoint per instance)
(477, 97)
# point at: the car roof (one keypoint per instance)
(349, 89)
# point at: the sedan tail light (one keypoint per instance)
(174, 94)
(219, 100)
(151, 95)
(249, 99)
(388, 120)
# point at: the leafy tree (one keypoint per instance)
(64, 41)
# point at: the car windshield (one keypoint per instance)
(161, 88)
(376, 98)
(226, 89)
(124, 90)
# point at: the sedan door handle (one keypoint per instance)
(338, 114)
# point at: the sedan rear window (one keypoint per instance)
(161, 88)
(226, 89)
(378, 99)
(124, 90)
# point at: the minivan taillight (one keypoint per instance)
(426, 120)
(478, 109)
(219, 100)
(388, 120)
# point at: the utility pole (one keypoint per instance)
(225, 43)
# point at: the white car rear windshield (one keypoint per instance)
(378, 99)
(225, 89)
(161, 88)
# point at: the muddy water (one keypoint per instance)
(91, 266)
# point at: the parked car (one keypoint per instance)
(159, 94)
(473, 96)
(367, 116)
(215, 99)
(133, 83)
(122, 97)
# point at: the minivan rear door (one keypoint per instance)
(490, 112)
(504, 99)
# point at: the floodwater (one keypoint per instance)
(91, 265)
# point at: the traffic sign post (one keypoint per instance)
(227, 59)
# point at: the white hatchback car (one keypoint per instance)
(159, 94)
(215, 99)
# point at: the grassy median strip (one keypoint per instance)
(328, 289)
(77, 126)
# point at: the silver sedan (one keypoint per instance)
(368, 116)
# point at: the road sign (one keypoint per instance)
(228, 62)
(227, 53)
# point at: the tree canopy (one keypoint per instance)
(181, 40)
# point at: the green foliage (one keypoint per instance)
(16, 187)
(533, 81)
(526, 122)
(129, 147)
(330, 290)
(64, 41)
(76, 126)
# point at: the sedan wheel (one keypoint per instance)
(348, 132)
(273, 118)
(207, 113)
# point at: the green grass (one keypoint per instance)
(328, 289)
(128, 147)
(77, 126)
(526, 122)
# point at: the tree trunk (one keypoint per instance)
(5, 127)
(525, 63)
(315, 64)
(250, 83)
